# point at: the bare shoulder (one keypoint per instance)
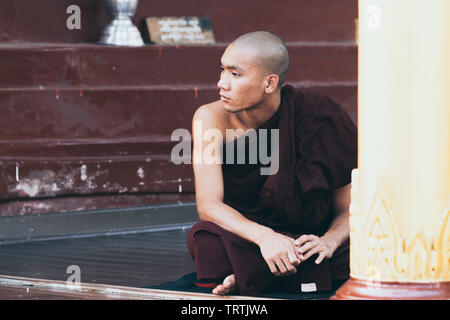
(212, 115)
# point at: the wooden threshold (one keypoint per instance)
(20, 288)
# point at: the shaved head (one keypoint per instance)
(269, 51)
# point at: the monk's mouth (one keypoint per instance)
(223, 98)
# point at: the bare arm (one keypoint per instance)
(340, 229)
(278, 250)
(209, 187)
(336, 235)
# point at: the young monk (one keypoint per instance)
(286, 231)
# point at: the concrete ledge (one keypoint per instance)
(97, 222)
(29, 288)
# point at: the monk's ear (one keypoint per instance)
(271, 83)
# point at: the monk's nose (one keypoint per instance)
(223, 83)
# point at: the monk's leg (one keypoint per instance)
(219, 253)
(340, 265)
(211, 261)
(251, 273)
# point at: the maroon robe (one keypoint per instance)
(317, 151)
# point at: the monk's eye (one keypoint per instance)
(221, 69)
(235, 74)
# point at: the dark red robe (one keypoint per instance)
(317, 152)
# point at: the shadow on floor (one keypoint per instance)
(142, 259)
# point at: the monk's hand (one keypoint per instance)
(309, 244)
(280, 253)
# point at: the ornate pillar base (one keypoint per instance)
(355, 289)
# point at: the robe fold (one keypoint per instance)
(317, 152)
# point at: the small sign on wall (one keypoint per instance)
(180, 30)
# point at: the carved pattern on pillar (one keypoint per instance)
(379, 252)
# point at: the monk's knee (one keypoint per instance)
(201, 233)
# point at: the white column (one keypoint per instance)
(400, 228)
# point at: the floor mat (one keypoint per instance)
(186, 284)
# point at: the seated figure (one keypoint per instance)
(285, 228)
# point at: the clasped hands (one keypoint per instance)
(283, 254)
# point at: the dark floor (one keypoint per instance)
(136, 259)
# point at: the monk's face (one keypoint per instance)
(242, 79)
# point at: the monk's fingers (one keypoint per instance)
(294, 258)
(307, 246)
(291, 269)
(273, 268)
(314, 250)
(281, 267)
(322, 256)
(305, 238)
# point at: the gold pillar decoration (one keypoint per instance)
(400, 198)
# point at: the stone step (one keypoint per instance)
(95, 143)
(68, 66)
(51, 177)
(118, 113)
(293, 20)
